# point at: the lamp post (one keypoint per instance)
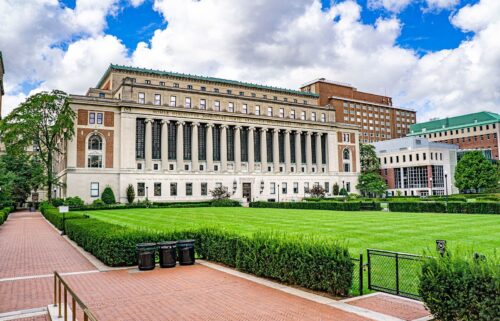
(278, 193)
(147, 192)
(446, 186)
(430, 192)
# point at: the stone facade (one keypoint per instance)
(262, 143)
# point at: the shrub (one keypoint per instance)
(130, 193)
(220, 193)
(418, 207)
(73, 201)
(98, 203)
(334, 206)
(474, 207)
(313, 263)
(441, 207)
(108, 197)
(4, 213)
(343, 192)
(317, 191)
(53, 216)
(335, 189)
(461, 288)
(225, 203)
(57, 202)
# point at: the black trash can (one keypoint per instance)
(168, 254)
(185, 252)
(146, 256)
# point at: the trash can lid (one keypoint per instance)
(145, 245)
(185, 241)
(167, 243)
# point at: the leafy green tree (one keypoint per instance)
(108, 197)
(343, 192)
(43, 121)
(130, 193)
(335, 189)
(475, 172)
(368, 158)
(371, 184)
(317, 191)
(6, 179)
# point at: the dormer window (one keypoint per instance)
(147, 82)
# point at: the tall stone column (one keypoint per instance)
(180, 146)
(223, 147)
(148, 140)
(194, 147)
(319, 163)
(276, 150)
(288, 156)
(298, 151)
(164, 144)
(250, 144)
(333, 150)
(308, 152)
(263, 149)
(210, 148)
(237, 148)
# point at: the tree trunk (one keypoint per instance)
(49, 176)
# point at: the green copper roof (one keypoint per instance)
(203, 78)
(481, 118)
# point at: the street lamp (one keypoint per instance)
(446, 186)
(278, 193)
(147, 192)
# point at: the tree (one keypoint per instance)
(130, 193)
(6, 179)
(317, 191)
(343, 192)
(220, 193)
(474, 172)
(335, 189)
(107, 196)
(368, 158)
(371, 184)
(44, 121)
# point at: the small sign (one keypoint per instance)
(63, 209)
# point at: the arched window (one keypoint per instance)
(347, 154)
(95, 142)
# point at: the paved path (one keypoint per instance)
(31, 250)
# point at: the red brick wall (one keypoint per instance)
(83, 117)
(109, 119)
(477, 143)
(81, 136)
(352, 149)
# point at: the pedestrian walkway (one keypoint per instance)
(31, 249)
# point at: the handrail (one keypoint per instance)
(58, 283)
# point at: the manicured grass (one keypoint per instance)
(404, 232)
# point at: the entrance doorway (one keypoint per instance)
(247, 191)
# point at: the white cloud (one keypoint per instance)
(441, 4)
(390, 5)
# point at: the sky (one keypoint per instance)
(439, 57)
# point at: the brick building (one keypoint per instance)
(377, 118)
(477, 131)
(175, 137)
(417, 167)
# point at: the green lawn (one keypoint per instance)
(403, 232)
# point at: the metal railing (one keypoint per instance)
(358, 274)
(61, 290)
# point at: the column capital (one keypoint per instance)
(148, 120)
(181, 123)
(224, 126)
(319, 134)
(276, 130)
(298, 131)
(251, 128)
(308, 133)
(165, 121)
(238, 127)
(211, 125)
(195, 124)
(264, 129)
(288, 131)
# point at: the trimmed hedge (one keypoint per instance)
(459, 288)
(223, 203)
(53, 216)
(441, 207)
(333, 206)
(4, 213)
(305, 261)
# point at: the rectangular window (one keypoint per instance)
(141, 189)
(99, 118)
(295, 187)
(244, 109)
(204, 189)
(323, 117)
(273, 188)
(172, 140)
(140, 138)
(282, 112)
(94, 161)
(203, 104)
(327, 187)
(313, 116)
(173, 101)
(303, 115)
(157, 99)
(284, 188)
(92, 118)
(292, 114)
(188, 102)
(162, 83)
(257, 110)
(173, 189)
(270, 111)
(157, 191)
(217, 105)
(189, 86)
(203, 88)
(306, 187)
(189, 189)
(156, 139)
(141, 98)
(94, 189)
(347, 137)
(230, 107)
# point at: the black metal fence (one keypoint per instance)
(394, 272)
(357, 275)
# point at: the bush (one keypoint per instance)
(441, 207)
(130, 193)
(343, 192)
(313, 263)
(53, 216)
(220, 193)
(417, 207)
(4, 213)
(73, 202)
(461, 288)
(225, 203)
(98, 203)
(101, 206)
(334, 206)
(108, 197)
(474, 207)
(57, 202)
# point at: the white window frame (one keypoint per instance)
(244, 109)
(141, 98)
(94, 192)
(203, 104)
(217, 105)
(187, 102)
(270, 111)
(157, 100)
(173, 101)
(257, 110)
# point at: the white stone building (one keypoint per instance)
(175, 137)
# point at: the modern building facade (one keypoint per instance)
(477, 131)
(377, 118)
(415, 166)
(176, 137)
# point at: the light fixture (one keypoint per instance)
(261, 186)
(235, 186)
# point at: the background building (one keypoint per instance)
(377, 118)
(2, 91)
(417, 167)
(477, 131)
(176, 137)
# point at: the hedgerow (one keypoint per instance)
(449, 207)
(316, 264)
(334, 206)
(4, 213)
(418, 207)
(53, 216)
(458, 287)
